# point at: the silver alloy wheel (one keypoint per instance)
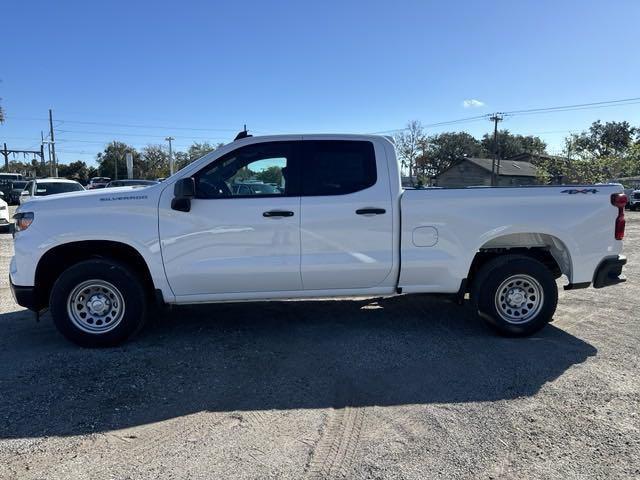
(95, 306)
(519, 299)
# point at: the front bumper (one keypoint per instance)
(24, 296)
(609, 271)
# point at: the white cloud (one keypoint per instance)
(472, 103)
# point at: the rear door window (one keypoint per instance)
(337, 167)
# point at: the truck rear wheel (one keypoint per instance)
(98, 303)
(515, 294)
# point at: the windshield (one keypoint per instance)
(18, 184)
(43, 189)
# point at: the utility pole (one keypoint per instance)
(6, 151)
(495, 118)
(6, 158)
(54, 162)
(43, 141)
(170, 139)
(42, 149)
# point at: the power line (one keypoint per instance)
(131, 125)
(578, 106)
(99, 142)
(126, 125)
(530, 111)
(144, 135)
(438, 124)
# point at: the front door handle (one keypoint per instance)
(277, 213)
(371, 211)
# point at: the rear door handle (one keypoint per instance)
(277, 213)
(370, 211)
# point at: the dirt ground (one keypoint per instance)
(403, 388)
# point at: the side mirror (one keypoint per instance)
(24, 193)
(184, 190)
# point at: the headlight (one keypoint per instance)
(23, 220)
(3, 207)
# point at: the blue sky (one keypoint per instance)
(200, 70)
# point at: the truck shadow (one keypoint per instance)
(263, 356)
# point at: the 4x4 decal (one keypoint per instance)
(573, 191)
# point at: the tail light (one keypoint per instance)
(619, 200)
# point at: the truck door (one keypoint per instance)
(347, 216)
(237, 240)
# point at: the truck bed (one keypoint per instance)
(443, 229)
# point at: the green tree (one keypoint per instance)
(29, 168)
(154, 162)
(195, 151)
(270, 175)
(440, 151)
(604, 152)
(611, 139)
(586, 171)
(510, 144)
(114, 154)
(75, 170)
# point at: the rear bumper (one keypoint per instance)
(24, 296)
(609, 271)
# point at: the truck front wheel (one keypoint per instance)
(98, 303)
(515, 294)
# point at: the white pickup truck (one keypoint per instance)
(325, 216)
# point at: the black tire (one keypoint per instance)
(109, 274)
(493, 308)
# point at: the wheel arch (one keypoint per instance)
(60, 257)
(546, 248)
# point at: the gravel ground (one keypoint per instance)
(402, 388)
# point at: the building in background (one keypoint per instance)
(469, 172)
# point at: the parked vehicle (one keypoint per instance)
(131, 183)
(629, 193)
(98, 182)
(11, 176)
(6, 179)
(5, 221)
(42, 187)
(342, 226)
(17, 186)
(634, 200)
(254, 188)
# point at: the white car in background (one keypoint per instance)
(48, 186)
(4, 215)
